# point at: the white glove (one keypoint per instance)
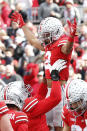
(56, 68)
(59, 65)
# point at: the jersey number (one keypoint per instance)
(47, 60)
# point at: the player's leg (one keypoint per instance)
(49, 115)
(57, 120)
(57, 112)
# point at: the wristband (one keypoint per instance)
(55, 75)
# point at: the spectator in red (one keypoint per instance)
(5, 11)
(11, 75)
(60, 2)
(35, 3)
(31, 77)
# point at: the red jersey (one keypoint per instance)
(19, 120)
(53, 53)
(36, 107)
(76, 123)
(3, 109)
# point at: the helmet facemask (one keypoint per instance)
(48, 38)
(78, 107)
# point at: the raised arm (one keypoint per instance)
(42, 92)
(36, 107)
(33, 40)
(66, 49)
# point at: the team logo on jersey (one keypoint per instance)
(11, 116)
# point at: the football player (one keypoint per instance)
(13, 95)
(56, 44)
(34, 107)
(74, 112)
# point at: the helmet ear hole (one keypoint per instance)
(57, 31)
(20, 101)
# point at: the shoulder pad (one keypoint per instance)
(30, 103)
(21, 117)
